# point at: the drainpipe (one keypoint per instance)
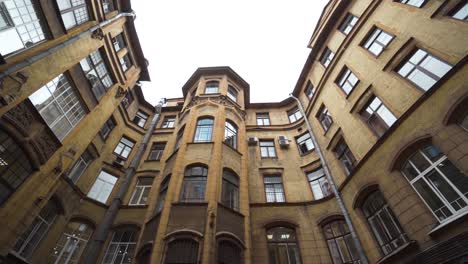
(336, 192)
(30, 60)
(95, 244)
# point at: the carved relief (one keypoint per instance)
(10, 87)
(98, 34)
(219, 100)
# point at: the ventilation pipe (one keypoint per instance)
(336, 192)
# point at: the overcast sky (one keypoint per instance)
(264, 41)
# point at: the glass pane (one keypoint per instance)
(433, 201)
(457, 178)
(445, 189)
(419, 161)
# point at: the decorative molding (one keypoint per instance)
(219, 99)
(98, 34)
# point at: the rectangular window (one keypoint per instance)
(324, 118)
(232, 93)
(377, 116)
(107, 128)
(204, 130)
(377, 40)
(319, 184)
(124, 147)
(118, 42)
(74, 12)
(304, 143)
(423, 69)
(141, 191)
(168, 122)
(128, 99)
(309, 90)
(348, 23)
(263, 119)
(125, 62)
(347, 80)
(162, 194)
(179, 136)
(80, 166)
(97, 73)
(108, 6)
(140, 119)
(156, 151)
(461, 12)
(212, 87)
(327, 57)
(59, 105)
(102, 187)
(20, 24)
(416, 3)
(274, 189)
(345, 156)
(294, 115)
(267, 149)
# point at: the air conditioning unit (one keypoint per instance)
(253, 141)
(283, 141)
(118, 162)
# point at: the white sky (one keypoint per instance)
(265, 42)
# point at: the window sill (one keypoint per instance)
(159, 160)
(455, 219)
(307, 153)
(198, 203)
(201, 142)
(134, 206)
(234, 211)
(397, 252)
(19, 258)
(233, 149)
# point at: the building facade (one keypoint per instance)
(221, 179)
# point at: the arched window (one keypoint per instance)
(204, 130)
(229, 253)
(230, 192)
(212, 87)
(183, 250)
(230, 134)
(28, 241)
(122, 246)
(282, 246)
(340, 243)
(193, 188)
(383, 223)
(14, 166)
(438, 182)
(71, 244)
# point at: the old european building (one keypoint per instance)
(92, 173)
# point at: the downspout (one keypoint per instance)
(336, 192)
(30, 60)
(95, 244)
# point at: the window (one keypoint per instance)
(162, 194)
(142, 191)
(140, 119)
(294, 115)
(212, 87)
(383, 223)
(274, 189)
(193, 187)
(309, 90)
(74, 12)
(107, 128)
(204, 130)
(21, 24)
(304, 143)
(319, 184)
(442, 186)
(28, 241)
(97, 73)
(193, 94)
(416, 3)
(325, 118)
(230, 191)
(327, 57)
(267, 149)
(230, 134)
(182, 250)
(348, 24)
(232, 93)
(463, 120)
(461, 12)
(15, 167)
(108, 6)
(122, 247)
(345, 156)
(102, 187)
(179, 136)
(347, 80)
(263, 119)
(125, 62)
(168, 122)
(282, 246)
(340, 243)
(124, 147)
(424, 69)
(128, 99)
(58, 105)
(156, 151)
(71, 244)
(377, 41)
(377, 116)
(80, 166)
(118, 42)
(229, 253)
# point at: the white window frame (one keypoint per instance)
(294, 114)
(140, 189)
(168, 122)
(80, 162)
(142, 117)
(100, 186)
(378, 38)
(125, 144)
(232, 93)
(72, 237)
(119, 245)
(318, 178)
(345, 80)
(270, 149)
